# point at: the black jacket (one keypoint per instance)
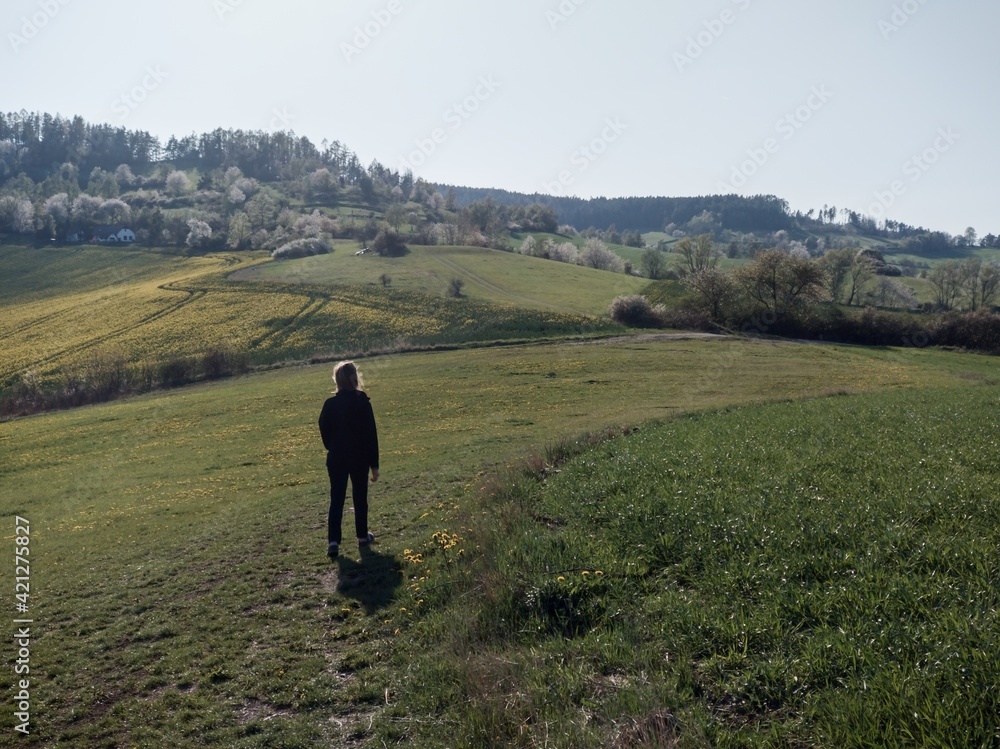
(347, 425)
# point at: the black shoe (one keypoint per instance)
(367, 540)
(333, 550)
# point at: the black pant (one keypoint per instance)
(339, 473)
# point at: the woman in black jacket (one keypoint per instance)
(347, 425)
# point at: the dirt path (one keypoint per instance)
(650, 337)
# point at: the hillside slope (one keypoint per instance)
(488, 275)
(71, 314)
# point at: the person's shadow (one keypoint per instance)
(372, 581)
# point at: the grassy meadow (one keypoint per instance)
(818, 573)
(750, 567)
(492, 276)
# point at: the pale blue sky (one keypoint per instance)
(880, 106)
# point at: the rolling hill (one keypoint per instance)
(74, 310)
(489, 275)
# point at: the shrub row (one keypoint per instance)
(109, 375)
(974, 331)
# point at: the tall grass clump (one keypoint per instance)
(818, 573)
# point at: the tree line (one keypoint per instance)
(733, 212)
(40, 153)
(41, 146)
(44, 155)
(843, 295)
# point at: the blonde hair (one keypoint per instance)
(347, 376)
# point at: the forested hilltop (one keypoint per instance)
(63, 177)
(733, 212)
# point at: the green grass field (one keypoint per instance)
(488, 275)
(817, 573)
(180, 594)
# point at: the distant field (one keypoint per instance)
(179, 587)
(654, 237)
(488, 275)
(61, 304)
(921, 286)
(64, 306)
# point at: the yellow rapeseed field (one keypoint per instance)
(48, 333)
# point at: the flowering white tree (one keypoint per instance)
(595, 254)
(236, 196)
(178, 184)
(798, 250)
(58, 207)
(124, 176)
(435, 202)
(322, 180)
(301, 248)
(233, 177)
(247, 185)
(313, 225)
(86, 209)
(565, 252)
(114, 211)
(447, 234)
(199, 233)
(17, 214)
